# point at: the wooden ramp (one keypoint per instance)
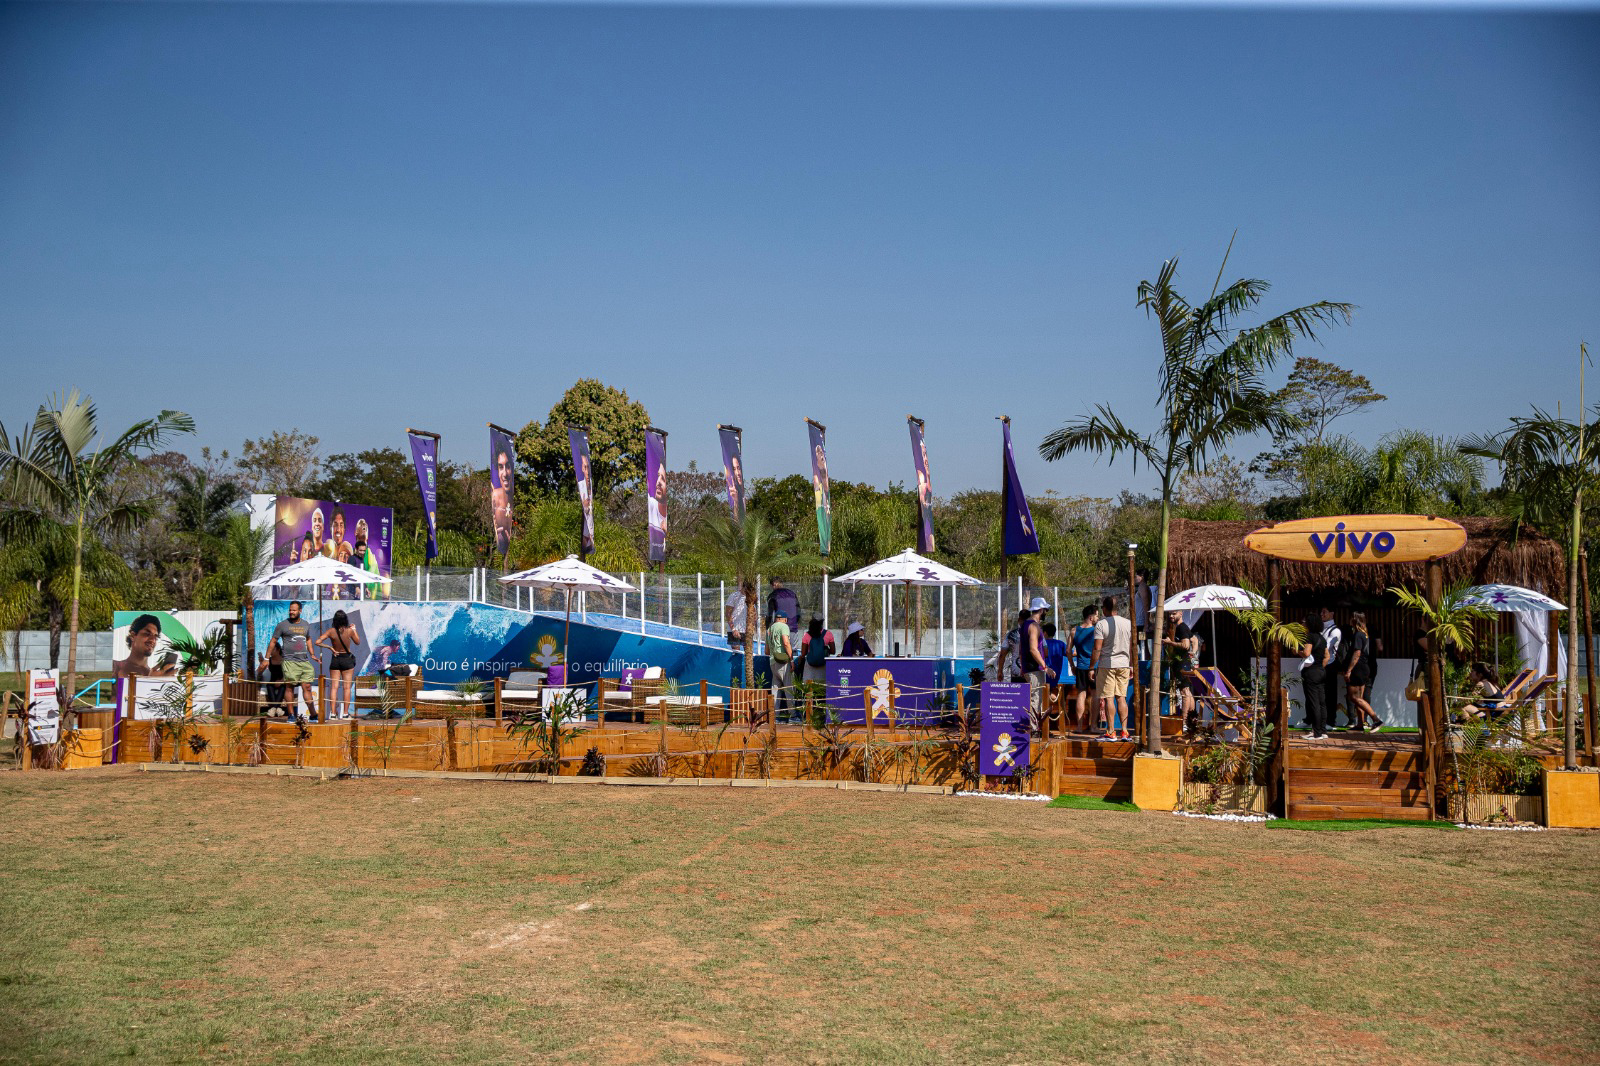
(1322, 781)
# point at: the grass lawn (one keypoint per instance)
(185, 917)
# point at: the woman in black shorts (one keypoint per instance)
(341, 638)
(1358, 675)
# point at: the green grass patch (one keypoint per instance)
(1350, 825)
(1089, 803)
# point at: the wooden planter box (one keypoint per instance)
(1484, 806)
(1231, 799)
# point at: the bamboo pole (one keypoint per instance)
(1590, 703)
(1434, 718)
(499, 707)
(1277, 708)
(1145, 722)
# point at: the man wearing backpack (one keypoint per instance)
(780, 655)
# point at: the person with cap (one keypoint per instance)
(855, 642)
(1031, 655)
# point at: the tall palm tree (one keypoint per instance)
(1550, 462)
(747, 550)
(1211, 391)
(61, 470)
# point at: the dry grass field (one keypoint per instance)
(208, 918)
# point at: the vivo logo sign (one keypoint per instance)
(1352, 544)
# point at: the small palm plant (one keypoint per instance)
(547, 732)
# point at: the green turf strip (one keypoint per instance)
(1350, 825)
(1089, 803)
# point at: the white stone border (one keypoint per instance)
(1228, 817)
(1006, 796)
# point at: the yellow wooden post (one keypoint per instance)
(499, 710)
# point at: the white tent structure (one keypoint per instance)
(908, 569)
(571, 574)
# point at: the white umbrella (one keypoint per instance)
(908, 568)
(1214, 598)
(319, 570)
(571, 574)
(1509, 598)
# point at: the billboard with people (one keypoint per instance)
(348, 532)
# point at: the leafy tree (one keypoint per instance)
(616, 427)
(36, 580)
(283, 464)
(550, 531)
(59, 473)
(1316, 395)
(385, 477)
(1407, 472)
(202, 503)
(1550, 463)
(239, 548)
(1211, 391)
(1223, 492)
(746, 550)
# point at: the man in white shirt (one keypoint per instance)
(736, 615)
(1113, 647)
(1332, 634)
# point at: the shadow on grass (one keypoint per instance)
(1350, 825)
(1090, 803)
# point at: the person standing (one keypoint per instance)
(1178, 647)
(780, 655)
(855, 642)
(341, 639)
(1358, 675)
(1031, 652)
(1083, 666)
(1141, 611)
(1334, 637)
(1313, 679)
(1113, 648)
(1057, 657)
(815, 647)
(735, 616)
(293, 638)
(1009, 664)
(783, 602)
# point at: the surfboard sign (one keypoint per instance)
(1362, 538)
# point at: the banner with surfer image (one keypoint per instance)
(919, 459)
(502, 486)
(425, 457)
(578, 441)
(733, 469)
(655, 480)
(819, 484)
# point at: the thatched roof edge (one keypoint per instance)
(1497, 550)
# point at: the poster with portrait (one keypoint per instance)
(141, 641)
(578, 440)
(502, 485)
(733, 469)
(655, 479)
(919, 459)
(348, 532)
(425, 458)
(819, 484)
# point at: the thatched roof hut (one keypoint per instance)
(1497, 550)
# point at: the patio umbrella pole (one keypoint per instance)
(566, 634)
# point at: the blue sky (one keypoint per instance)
(354, 218)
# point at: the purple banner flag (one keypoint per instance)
(733, 469)
(425, 457)
(919, 458)
(819, 484)
(1020, 536)
(1003, 747)
(655, 480)
(579, 440)
(502, 485)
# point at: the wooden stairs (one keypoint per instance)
(1321, 783)
(1091, 768)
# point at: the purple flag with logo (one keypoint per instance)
(919, 458)
(425, 457)
(819, 484)
(1003, 747)
(502, 486)
(655, 481)
(733, 470)
(579, 440)
(1020, 536)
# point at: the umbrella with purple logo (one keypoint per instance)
(908, 569)
(571, 574)
(1213, 598)
(1508, 598)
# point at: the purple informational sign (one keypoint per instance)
(578, 440)
(655, 481)
(1020, 536)
(502, 485)
(915, 683)
(425, 457)
(919, 459)
(819, 484)
(1003, 735)
(304, 529)
(733, 469)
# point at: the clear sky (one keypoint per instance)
(354, 218)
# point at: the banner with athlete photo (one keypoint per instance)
(578, 440)
(303, 529)
(733, 469)
(502, 485)
(425, 457)
(655, 480)
(1020, 537)
(819, 484)
(919, 459)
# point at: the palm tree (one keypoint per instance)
(1408, 472)
(1549, 463)
(1211, 391)
(36, 579)
(747, 550)
(239, 550)
(60, 471)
